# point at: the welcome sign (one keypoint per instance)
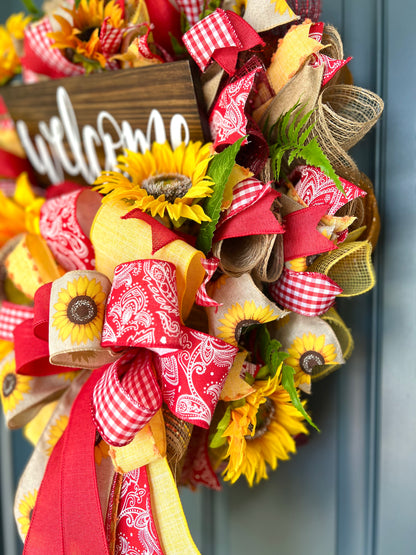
(75, 127)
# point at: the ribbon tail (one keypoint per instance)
(67, 517)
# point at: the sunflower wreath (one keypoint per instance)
(164, 324)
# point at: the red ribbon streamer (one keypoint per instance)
(67, 515)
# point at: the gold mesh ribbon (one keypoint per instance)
(345, 340)
(349, 266)
(371, 214)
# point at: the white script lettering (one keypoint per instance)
(48, 155)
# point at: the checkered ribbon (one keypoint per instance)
(220, 36)
(245, 194)
(307, 293)
(38, 50)
(122, 408)
(11, 315)
(202, 298)
(110, 39)
(192, 9)
(142, 313)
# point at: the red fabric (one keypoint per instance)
(62, 189)
(67, 515)
(220, 36)
(11, 166)
(41, 58)
(41, 311)
(202, 298)
(317, 189)
(11, 315)
(193, 377)
(136, 531)
(122, 408)
(197, 469)
(59, 226)
(32, 354)
(257, 219)
(161, 235)
(245, 194)
(228, 121)
(331, 66)
(301, 237)
(167, 21)
(307, 293)
(192, 9)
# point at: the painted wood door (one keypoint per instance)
(351, 489)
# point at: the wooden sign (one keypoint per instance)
(74, 128)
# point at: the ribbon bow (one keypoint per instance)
(142, 315)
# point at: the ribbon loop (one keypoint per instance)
(143, 307)
(121, 408)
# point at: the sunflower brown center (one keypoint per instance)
(172, 185)
(9, 384)
(309, 360)
(264, 416)
(81, 310)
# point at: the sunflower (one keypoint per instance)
(282, 7)
(79, 36)
(9, 59)
(80, 310)
(240, 7)
(25, 509)
(306, 352)
(261, 432)
(162, 181)
(55, 432)
(16, 25)
(237, 318)
(20, 213)
(101, 449)
(13, 386)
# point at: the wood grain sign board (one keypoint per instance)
(73, 128)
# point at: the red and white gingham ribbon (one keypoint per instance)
(122, 408)
(39, 45)
(221, 36)
(192, 9)
(11, 315)
(307, 293)
(202, 298)
(110, 39)
(245, 194)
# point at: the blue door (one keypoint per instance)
(351, 489)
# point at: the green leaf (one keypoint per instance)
(219, 170)
(291, 133)
(210, 8)
(314, 156)
(177, 47)
(32, 8)
(288, 382)
(270, 352)
(216, 439)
